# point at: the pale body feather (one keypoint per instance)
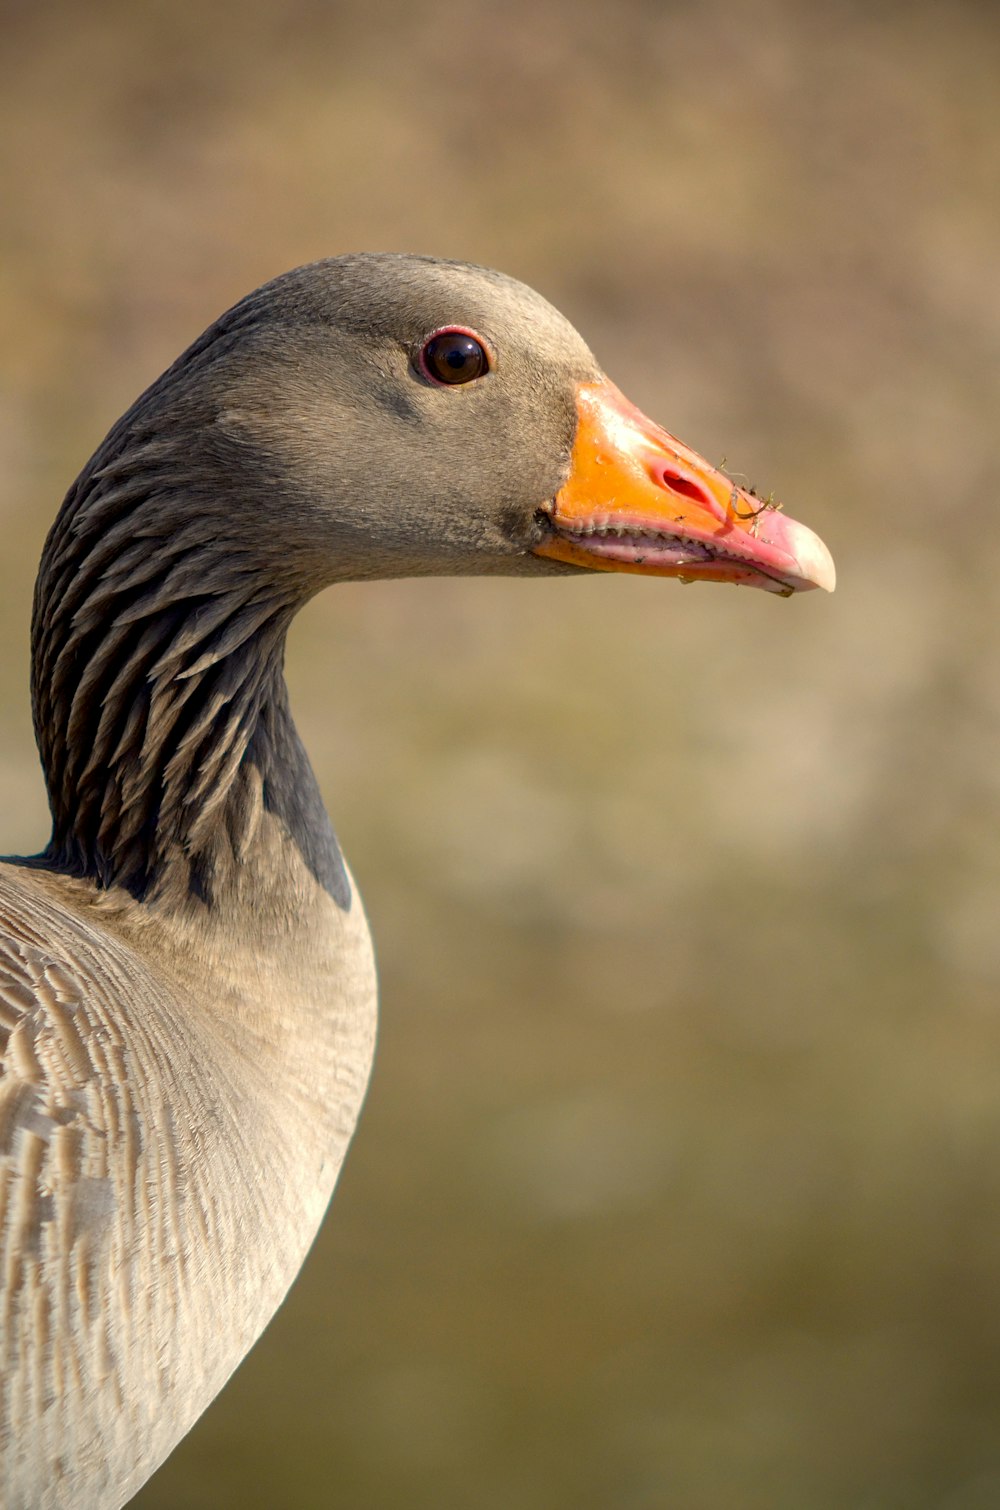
(177, 1095)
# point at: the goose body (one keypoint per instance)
(169, 1160)
(187, 988)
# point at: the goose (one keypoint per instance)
(187, 987)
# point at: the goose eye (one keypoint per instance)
(454, 356)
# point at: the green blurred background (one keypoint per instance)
(678, 1187)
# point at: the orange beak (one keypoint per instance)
(638, 500)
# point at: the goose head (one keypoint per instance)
(391, 415)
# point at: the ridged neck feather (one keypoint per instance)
(159, 701)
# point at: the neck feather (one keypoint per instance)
(159, 700)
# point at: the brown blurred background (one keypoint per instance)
(678, 1187)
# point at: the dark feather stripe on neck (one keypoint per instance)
(157, 685)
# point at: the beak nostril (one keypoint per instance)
(677, 483)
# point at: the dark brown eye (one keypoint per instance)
(454, 356)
